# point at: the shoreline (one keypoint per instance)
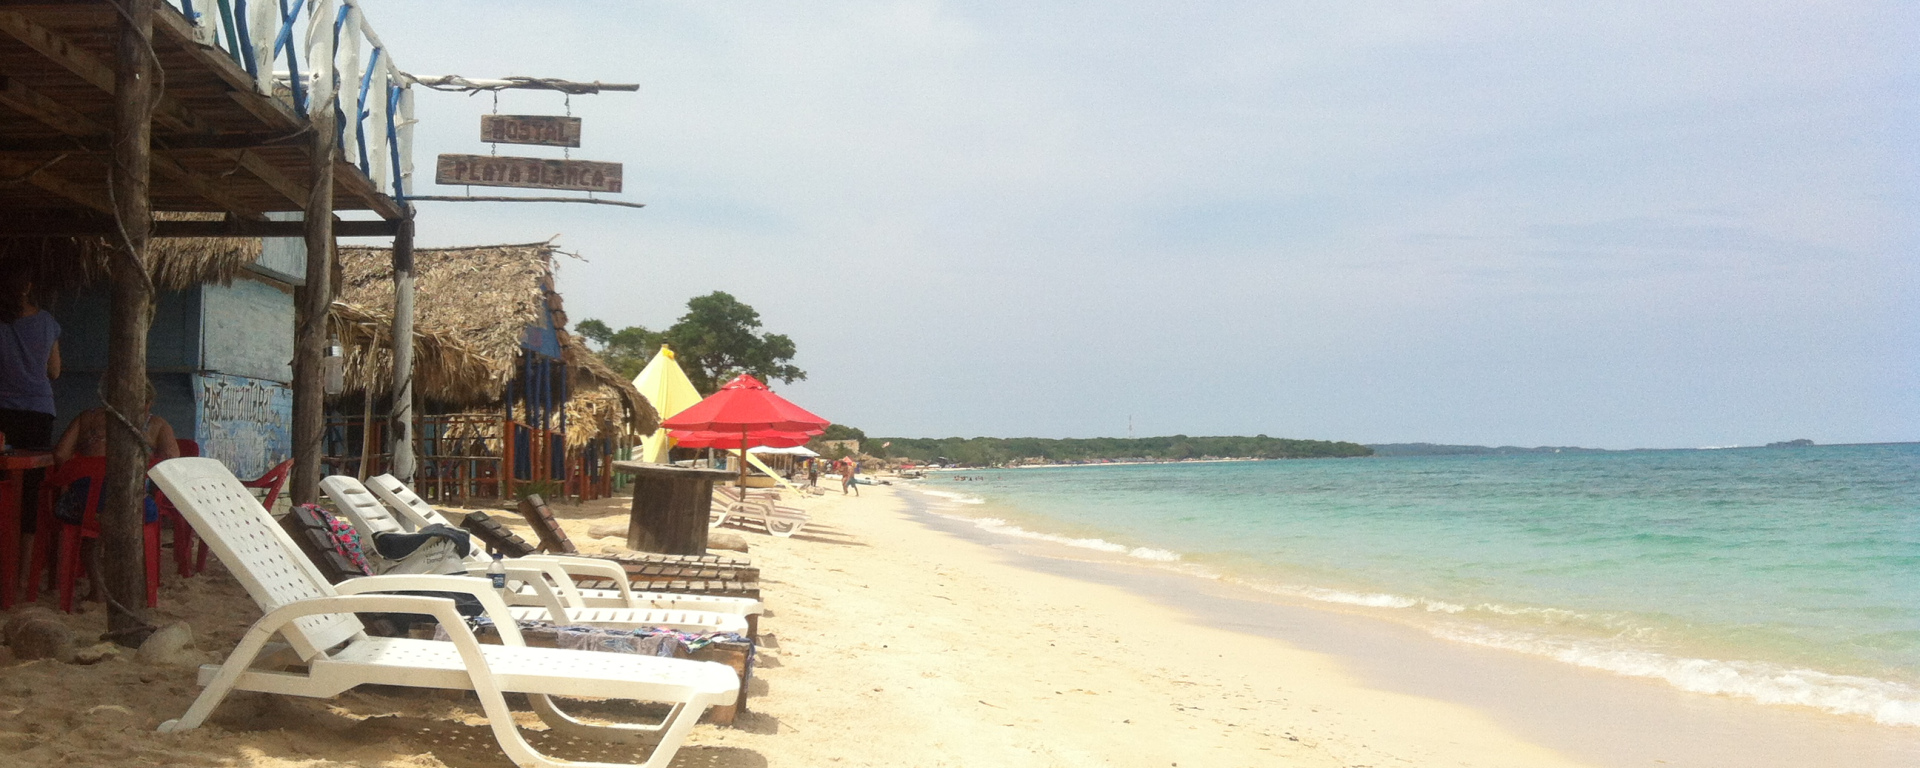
(896, 636)
(1599, 717)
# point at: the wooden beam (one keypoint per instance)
(82, 131)
(175, 28)
(313, 300)
(35, 173)
(206, 188)
(56, 48)
(102, 226)
(264, 171)
(78, 139)
(89, 67)
(48, 112)
(358, 185)
(230, 228)
(125, 387)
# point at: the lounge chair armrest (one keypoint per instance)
(491, 603)
(572, 565)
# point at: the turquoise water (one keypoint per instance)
(1785, 576)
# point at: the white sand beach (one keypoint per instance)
(888, 642)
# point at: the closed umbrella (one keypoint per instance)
(668, 389)
(742, 407)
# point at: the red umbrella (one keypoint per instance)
(742, 407)
(731, 440)
(745, 405)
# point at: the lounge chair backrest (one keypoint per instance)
(255, 548)
(360, 507)
(411, 509)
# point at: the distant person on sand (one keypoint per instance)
(813, 474)
(847, 480)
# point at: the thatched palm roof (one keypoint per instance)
(176, 263)
(442, 364)
(473, 303)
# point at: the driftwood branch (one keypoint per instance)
(457, 83)
(507, 199)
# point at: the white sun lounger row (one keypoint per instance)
(545, 589)
(729, 509)
(317, 624)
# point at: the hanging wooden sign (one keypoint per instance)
(544, 130)
(532, 172)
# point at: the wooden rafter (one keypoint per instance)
(22, 171)
(57, 116)
(168, 111)
(175, 29)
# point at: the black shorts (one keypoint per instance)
(31, 430)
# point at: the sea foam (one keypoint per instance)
(1886, 702)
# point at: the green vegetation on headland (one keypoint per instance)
(1003, 451)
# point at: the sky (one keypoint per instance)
(1609, 224)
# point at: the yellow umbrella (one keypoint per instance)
(670, 391)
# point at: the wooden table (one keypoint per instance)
(13, 467)
(669, 506)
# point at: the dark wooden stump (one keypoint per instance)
(669, 507)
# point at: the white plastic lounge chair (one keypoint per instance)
(547, 592)
(415, 513)
(775, 519)
(317, 622)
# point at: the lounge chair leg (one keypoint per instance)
(629, 733)
(222, 684)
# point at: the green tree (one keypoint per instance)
(627, 349)
(716, 340)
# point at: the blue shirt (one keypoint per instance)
(25, 346)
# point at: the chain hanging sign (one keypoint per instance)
(530, 172)
(544, 130)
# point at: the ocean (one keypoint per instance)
(1786, 576)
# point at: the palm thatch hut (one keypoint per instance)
(509, 397)
(219, 346)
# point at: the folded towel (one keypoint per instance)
(397, 546)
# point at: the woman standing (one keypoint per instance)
(29, 362)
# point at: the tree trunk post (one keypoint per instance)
(402, 434)
(316, 297)
(125, 386)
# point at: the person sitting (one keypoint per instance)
(86, 435)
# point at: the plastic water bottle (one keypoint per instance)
(497, 573)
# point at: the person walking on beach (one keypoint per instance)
(847, 480)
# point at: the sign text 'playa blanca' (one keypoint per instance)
(533, 172)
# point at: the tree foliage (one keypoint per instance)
(717, 339)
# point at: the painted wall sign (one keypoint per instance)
(545, 130)
(245, 423)
(533, 172)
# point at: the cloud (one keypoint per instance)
(1490, 221)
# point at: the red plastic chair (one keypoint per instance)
(93, 469)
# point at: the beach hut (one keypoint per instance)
(116, 111)
(509, 400)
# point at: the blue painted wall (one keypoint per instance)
(219, 357)
(246, 329)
